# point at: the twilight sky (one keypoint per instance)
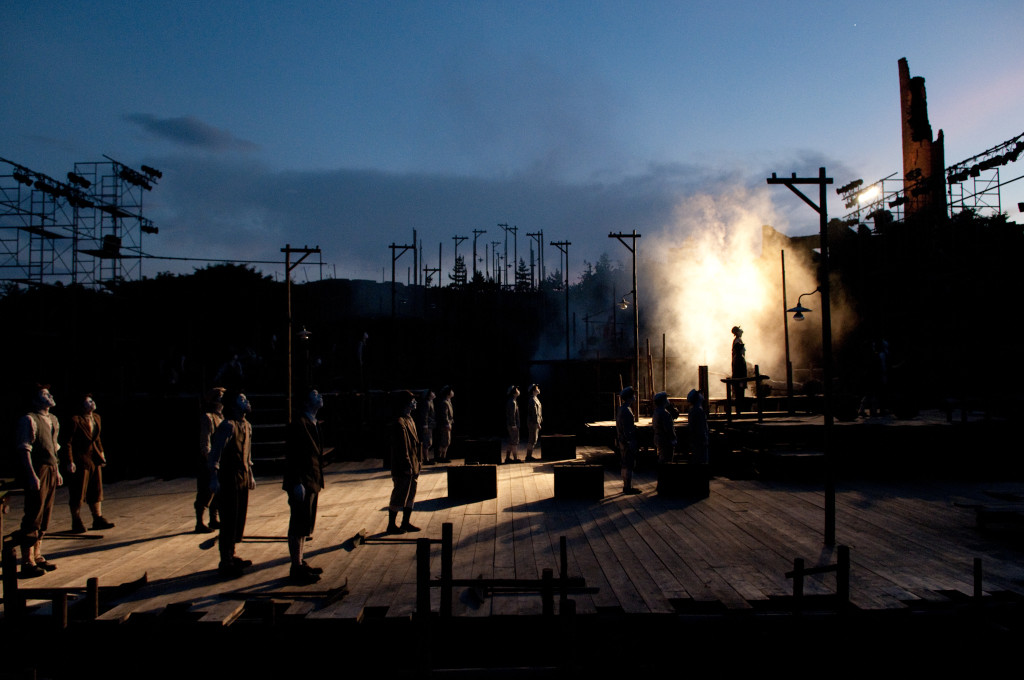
(349, 124)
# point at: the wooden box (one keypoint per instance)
(558, 447)
(684, 480)
(473, 482)
(579, 481)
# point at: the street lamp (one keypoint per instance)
(636, 308)
(798, 311)
(826, 332)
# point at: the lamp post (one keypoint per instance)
(826, 333)
(288, 267)
(631, 247)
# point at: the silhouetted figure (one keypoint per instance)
(629, 445)
(405, 462)
(36, 446)
(213, 414)
(534, 419)
(697, 428)
(361, 361)
(84, 459)
(303, 480)
(739, 368)
(425, 424)
(512, 425)
(231, 478)
(445, 414)
(664, 430)
(877, 379)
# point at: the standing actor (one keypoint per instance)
(697, 426)
(405, 462)
(533, 420)
(303, 480)
(84, 460)
(37, 448)
(425, 424)
(445, 414)
(213, 414)
(512, 425)
(232, 479)
(625, 429)
(739, 368)
(664, 430)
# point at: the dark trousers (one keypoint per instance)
(233, 499)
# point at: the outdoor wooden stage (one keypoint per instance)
(912, 547)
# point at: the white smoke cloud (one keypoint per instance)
(712, 272)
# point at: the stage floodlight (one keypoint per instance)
(152, 172)
(79, 180)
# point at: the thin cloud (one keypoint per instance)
(191, 132)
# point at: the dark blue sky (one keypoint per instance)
(349, 124)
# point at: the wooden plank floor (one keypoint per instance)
(641, 554)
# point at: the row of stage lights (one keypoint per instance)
(75, 195)
(994, 161)
(853, 195)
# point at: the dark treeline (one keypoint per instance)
(942, 293)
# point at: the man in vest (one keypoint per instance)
(37, 448)
(231, 478)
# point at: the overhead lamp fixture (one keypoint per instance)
(852, 186)
(148, 228)
(79, 180)
(898, 201)
(974, 171)
(798, 311)
(22, 177)
(152, 172)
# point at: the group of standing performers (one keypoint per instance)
(225, 477)
(664, 432)
(534, 420)
(42, 453)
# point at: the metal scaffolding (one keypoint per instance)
(87, 230)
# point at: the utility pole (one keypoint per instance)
(563, 246)
(396, 252)
(458, 240)
(538, 237)
(826, 333)
(515, 245)
(288, 267)
(476, 233)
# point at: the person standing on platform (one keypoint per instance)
(697, 427)
(213, 414)
(625, 429)
(231, 478)
(37, 447)
(533, 420)
(739, 368)
(425, 424)
(84, 460)
(512, 425)
(405, 462)
(664, 430)
(303, 480)
(445, 414)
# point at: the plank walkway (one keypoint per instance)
(911, 544)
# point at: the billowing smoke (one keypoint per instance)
(709, 271)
